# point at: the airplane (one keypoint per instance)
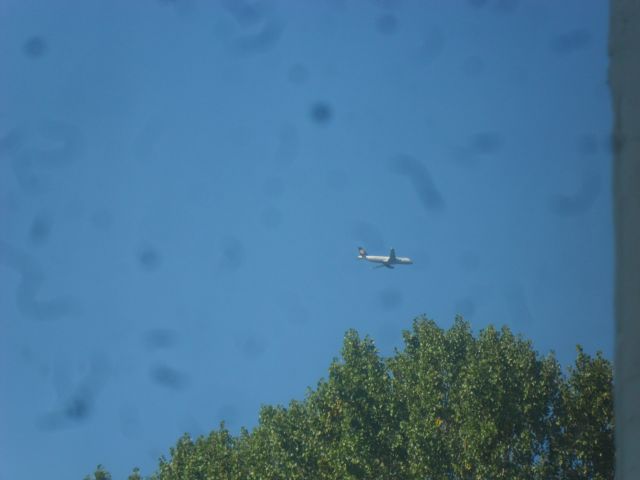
(388, 262)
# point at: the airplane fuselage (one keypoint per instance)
(386, 260)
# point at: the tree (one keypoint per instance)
(214, 456)
(586, 419)
(353, 415)
(450, 405)
(135, 475)
(99, 474)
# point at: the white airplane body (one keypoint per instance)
(384, 261)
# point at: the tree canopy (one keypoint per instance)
(449, 405)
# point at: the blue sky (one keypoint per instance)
(184, 184)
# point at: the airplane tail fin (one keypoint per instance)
(362, 252)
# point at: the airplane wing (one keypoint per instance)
(392, 255)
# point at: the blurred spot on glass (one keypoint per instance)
(251, 345)
(161, 338)
(368, 235)
(580, 201)
(390, 298)
(149, 258)
(35, 47)
(466, 307)
(571, 41)
(168, 377)
(40, 228)
(233, 254)
(39, 149)
(387, 24)
(420, 178)
(485, 143)
(432, 45)
(321, 113)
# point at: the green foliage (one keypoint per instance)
(135, 475)
(586, 420)
(450, 405)
(99, 474)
